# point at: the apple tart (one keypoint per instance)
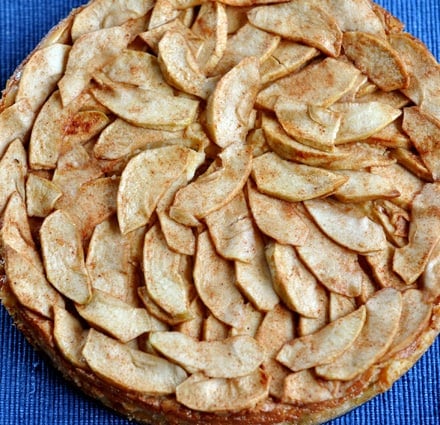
(224, 212)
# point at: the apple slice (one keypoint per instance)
(211, 25)
(276, 218)
(287, 58)
(360, 156)
(291, 181)
(137, 68)
(430, 278)
(215, 188)
(324, 346)
(229, 107)
(376, 116)
(289, 148)
(246, 42)
(155, 169)
(340, 306)
(41, 73)
(94, 203)
(223, 395)
(277, 327)
(195, 326)
(13, 165)
(107, 13)
(15, 123)
(130, 369)
(41, 196)
(88, 55)
(414, 163)
(381, 265)
(75, 167)
(59, 129)
(230, 358)
(337, 221)
(164, 275)
(29, 284)
(145, 108)
(353, 15)
(254, 279)
(364, 186)
(416, 314)
(63, 257)
(334, 266)
(405, 182)
(424, 72)
(424, 133)
(69, 336)
(302, 86)
(424, 233)
(16, 232)
(312, 125)
(180, 68)
(295, 285)
(374, 340)
(232, 230)
(218, 290)
(179, 237)
(121, 139)
(108, 259)
(117, 318)
(214, 329)
(302, 22)
(375, 57)
(304, 387)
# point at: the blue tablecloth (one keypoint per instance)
(32, 393)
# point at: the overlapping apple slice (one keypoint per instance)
(218, 290)
(229, 107)
(180, 68)
(302, 22)
(215, 188)
(154, 169)
(223, 395)
(106, 14)
(304, 387)
(424, 233)
(302, 85)
(375, 57)
(276, 218)
(166, 279)
(292, 181)
(230, 358)
(89, 54)
(324, 346)
(211, 25)
(130, 369)
(63, 257)
(374, 340)
(254, 280)
(337, 221)
(69, 336)
(12, 172)
(293, 282)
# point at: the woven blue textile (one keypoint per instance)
(33, 393)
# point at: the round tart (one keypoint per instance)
(224, 212)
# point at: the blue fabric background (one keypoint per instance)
(32, 393)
